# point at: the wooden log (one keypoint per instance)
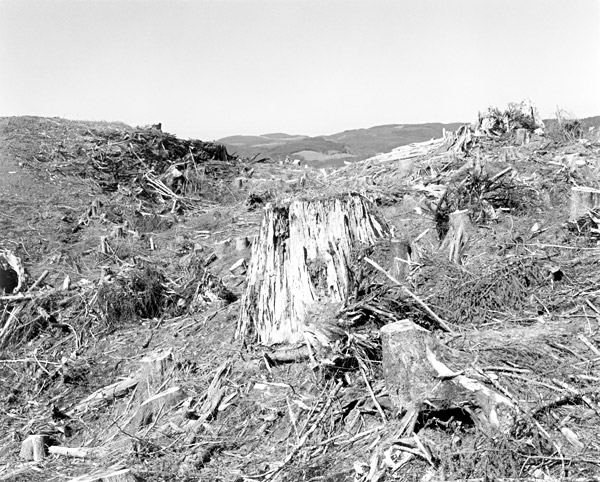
(104, 395)
(34, 447)
(458, 235)
(416, 377)
(77, 452)
(583, 200)
(301, 259)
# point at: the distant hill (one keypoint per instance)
(331, 150)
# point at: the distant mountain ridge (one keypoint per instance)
(330, 150)
(348, 146)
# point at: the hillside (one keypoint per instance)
(127, 257)
(333, 150)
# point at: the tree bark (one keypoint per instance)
(301, 258)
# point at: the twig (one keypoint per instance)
(443, 324)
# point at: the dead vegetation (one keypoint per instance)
(118, 353)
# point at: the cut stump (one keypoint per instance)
(417, 379)
(457, 238)
(301, 258)
(583, 200)
(34, 447)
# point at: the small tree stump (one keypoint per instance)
(415, 376)
(409, 377)
(34, 447)
(94, 208)
(118, 232)
(241, 243)
(154, 368)
(237, 183)
(522, 136)
(456, 239)
(583, 200)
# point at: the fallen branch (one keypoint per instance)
(442, 324)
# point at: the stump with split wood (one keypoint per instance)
(301, 259)
(418, 380)
(155, 400)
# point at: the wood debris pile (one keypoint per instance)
(142, 160)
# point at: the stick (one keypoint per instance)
(443, 324)
(39, 280)
(373, 397)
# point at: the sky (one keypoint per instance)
(208, 69)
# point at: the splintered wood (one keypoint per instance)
(300, 259)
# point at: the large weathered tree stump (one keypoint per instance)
(301, 258)
(583, 200)
(417, 378)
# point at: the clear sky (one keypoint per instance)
(212, 68)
